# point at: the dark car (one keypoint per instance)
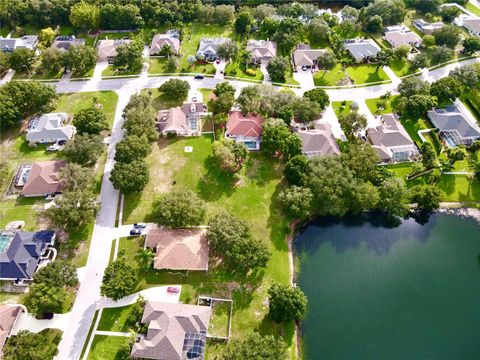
(135, 232)
(139, 225)
(61, 142)
(199, 77)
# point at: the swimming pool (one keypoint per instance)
(5, 239)
(250, 144)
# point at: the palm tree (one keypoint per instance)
(246, 56)
(145, 259)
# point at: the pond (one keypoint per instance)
(378, 292)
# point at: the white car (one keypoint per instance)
(194, 98)
(54, 147)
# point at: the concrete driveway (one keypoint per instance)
(28, 322)
(304, 78)
(158, 293)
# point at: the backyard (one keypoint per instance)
(359, 74)
(172, 167)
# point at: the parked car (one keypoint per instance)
(54, 147)
(135, 232)
(173, 289)
(139, 225)
(61, 142)
(304, 68)
(199, 77)
(194, 98)
(218, 61)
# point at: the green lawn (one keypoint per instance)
(220, 318)
(157, 66)
(115, 36)
(473, 8)
(360, 74)
(106, 347)
(341, 109)
(35, 76)
(400, 67)
(252, 199)
(161, 102)
(72, 102)
(238, 70)
(206, 94)
(115, 319)
(372, 106)
(113, 71)
(412, 127)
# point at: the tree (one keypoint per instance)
(393, 197)
(223, 14)
(471, 44)
(427, 197)
(228, 50)
(140, 121)
(130, 177)
(175, 89)
(172, 64)
(413, 86)
(477, 169)
(51, 60)
(347, 28)
(229, 155)
(90, 120)
(33, 346)
(319, 96)
(297, 170)
(47, 36)
(449, 13)
(425, 6)
(361, 159)
(23, 98)
(278, 141)
(255, 346)
(180, 208)
(297, 202)
(4, 66)
(222, 104)
(145, 259)
(428, 155)
(446, 89)
(80, 59)
(130, 55)
(119, 279)
(429, 41)
(456, 154)
(224, 88)
(44, 298)
(384, 58)
(449, 35)
(418, 62)
(57, 273)
(305, 110)
(392, 12)
(352, 124)
(286, 303)
(22, 60)
(416, 106)
(131, 148)
(117, 17)
(441, 54)
(374, 24)
(84, 149)
(85, 16)
(468, 76)
(318, 29)
(327, 61)
(244, 22)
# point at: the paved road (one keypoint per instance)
(104, 232)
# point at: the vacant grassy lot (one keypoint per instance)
(253, 198)
(106, 347)
(34, 76)
(359, 74)
(72, 102)
(115, 319)
(113, 71)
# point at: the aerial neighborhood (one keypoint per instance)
(170, 171)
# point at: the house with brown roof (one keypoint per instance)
(179, 249)
(107, 49)
(262, 50)
(304, 55)
(318, 141)
(8, 317)
(245, 129)
(391, 140)
(44, 179)
(175, 332)
(159, 41)
(183, 121)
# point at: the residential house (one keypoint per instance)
(175, 332)
(25, 42)
(426, 27)
(64, 43)
(21, 253)
(402, 36)
(306, 56)
(318, 141)
(245, 129)
(49, 128)
(159, 41)
(456, 123)
(179, 249)
(208, 48)
(361, 49)
(107, 49)
(184, 121)
(391, 141)
(262, 50)
(43, 179)
(469, 22)
(8, 317)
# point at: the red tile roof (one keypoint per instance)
(241, 125)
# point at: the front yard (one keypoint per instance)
(113, 71)
(106, 347)
(252, 199)
(359, 74)
(237, 69)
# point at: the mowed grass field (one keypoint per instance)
(360, 74)
(253, 199)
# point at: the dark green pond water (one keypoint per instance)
(408, 292)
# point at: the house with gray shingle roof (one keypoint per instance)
(159, 41)
(262, 50)
(306, 56)
(456, 123)
(25, 42)
(469, 22)
(21, 252)
(391, 141)
(175, 332)
(319, 141)
(49, 128)
(63, 43)
(361, 49)
(426, 27)
(208, 47)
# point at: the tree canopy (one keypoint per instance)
(278, 141)
(180, 208)
(229, 155)
(84, 149)
(57, 273)
(132, 147)
(131, 177)
(255, 347)
(175, 89)
(119, 279)
(286, 303)
(90, 120)
(32, 346)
